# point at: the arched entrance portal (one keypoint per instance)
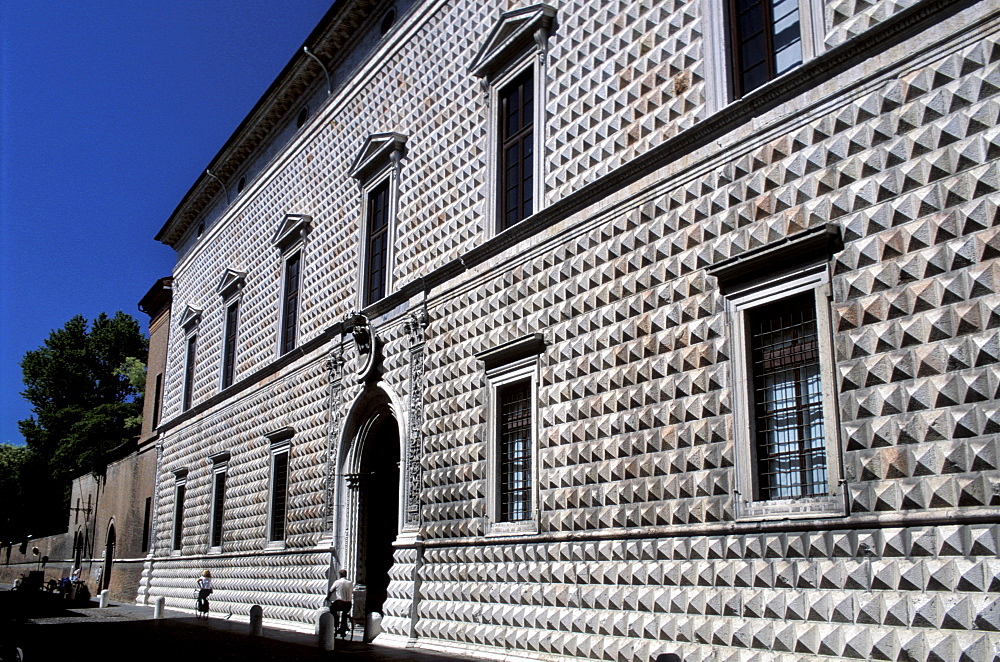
(372, 473)
(378, 509)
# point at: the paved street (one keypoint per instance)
(126, 632)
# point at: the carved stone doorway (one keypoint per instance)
(378, 509)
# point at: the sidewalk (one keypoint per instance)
(128, 632)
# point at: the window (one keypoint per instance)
(157, 400)
(378, 169)
(514, 453)
(180, 490)
(377, 245)
(280, 451)
(290, 302)
(750, 42)
(512, 378)
(290, 239)
(220, 466)
(517, 121)
(146, 522)
(189, 366)
(766, 41)
(229, 344)
(512, 60)
(784, 395)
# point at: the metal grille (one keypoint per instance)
(218, 507)
(788, 400)
(279, 495)
(515, 451)
(192, 346)
(766, 41)
(517, 116)
(178, 515)
(229, 345)
(378, 242)
(290, 304)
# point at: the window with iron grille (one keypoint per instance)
(290, 303)
(787, 399)
(218, 506)
(766, 41)
(279, 494)
(179, 492)
(517, 113)
(229, 344)
(377, 244)
(189, 366)
(514, 437)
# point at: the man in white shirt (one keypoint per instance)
(339, 598)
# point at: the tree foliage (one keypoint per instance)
(82, 387)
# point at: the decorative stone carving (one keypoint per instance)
(415, 326)
(367, 343)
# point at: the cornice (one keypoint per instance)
(337, 29)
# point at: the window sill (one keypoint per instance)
(808, 508)
(274, 545)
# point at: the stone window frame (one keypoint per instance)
(177, 528)
(748, 282)
(230, 289)
(220, 466)
(290, 240)
(379, 162)
(280, 443)
(190, 321)
(518, 42)
(509, 363)
(718, 44)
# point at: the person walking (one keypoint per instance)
(204, 590)
(339, 598)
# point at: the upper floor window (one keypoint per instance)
(189, 322)
(291, 241)
(767, 41)
(512, 61)
(230, 288)
(517, 153)
(157, 400)
(377, 244)
(378, 169)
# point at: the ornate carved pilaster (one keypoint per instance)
(416, 325)
(335, 370)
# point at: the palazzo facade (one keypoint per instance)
(601, 329)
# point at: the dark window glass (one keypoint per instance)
(766, 40)
(178, 515)
(514, 434)
(189, 367)
(146, 521)
(290, 303)
(157, 400)
(279, 495)
(378, 242)
(788, 399)
(218, 503)
(229, 345)
(517, 115)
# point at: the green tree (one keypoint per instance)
(13, 460)
(84, 403)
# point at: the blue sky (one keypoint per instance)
(109, 111)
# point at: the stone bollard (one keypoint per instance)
(256, 621)
(105, 595)
(158, 604)
(327, 631)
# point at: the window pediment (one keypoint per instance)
(232, 282)
(377, 151)
(292, 228)
(806, 246)
(190, 318)
(513, 33)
